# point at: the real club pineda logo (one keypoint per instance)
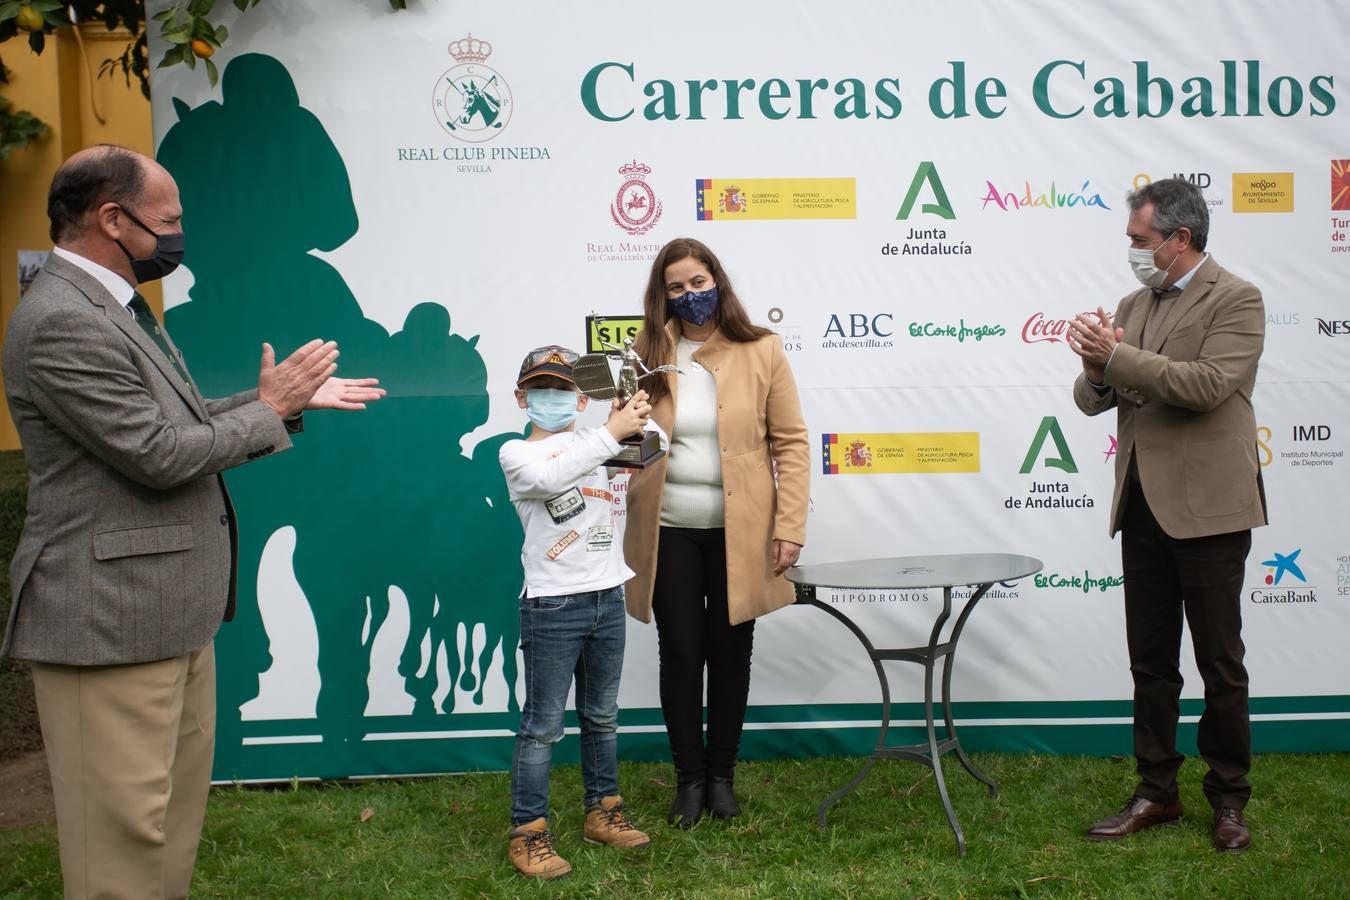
(635, 207)
(1284, 580)
(1052, 494)
(472, 100)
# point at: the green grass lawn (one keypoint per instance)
(445, 837)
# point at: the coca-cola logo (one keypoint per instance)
(1040, 328)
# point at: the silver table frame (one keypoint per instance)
(932, 751)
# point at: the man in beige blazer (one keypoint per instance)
(1178, 363)
(126, 565)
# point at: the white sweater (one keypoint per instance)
(573, 539)
(693, 491)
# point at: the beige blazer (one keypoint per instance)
(127, 552)
(1184, 406)
(759, 426)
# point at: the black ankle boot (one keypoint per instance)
(721, 801)
(687, 809)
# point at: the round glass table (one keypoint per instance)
(980, 571)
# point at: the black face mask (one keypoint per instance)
(168, 254)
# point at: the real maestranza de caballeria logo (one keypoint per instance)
(635, 207)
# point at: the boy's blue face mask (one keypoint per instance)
(551, 410)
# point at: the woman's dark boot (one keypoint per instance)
(690, 797)
(721, 800)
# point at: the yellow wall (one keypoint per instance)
(55, 88)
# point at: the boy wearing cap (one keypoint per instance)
(572, 619)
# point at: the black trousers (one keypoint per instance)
(694, 633)
(1202, 578)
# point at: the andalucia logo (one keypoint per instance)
(471, 100)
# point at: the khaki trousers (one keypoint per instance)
(130, 750)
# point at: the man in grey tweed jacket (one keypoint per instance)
(125, 569)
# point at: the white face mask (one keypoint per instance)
(1145, 266)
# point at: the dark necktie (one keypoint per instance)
(1157, 313)
(145, 317)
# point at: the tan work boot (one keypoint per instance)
(608, 824)
(531, 851)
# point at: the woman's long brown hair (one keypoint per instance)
(653, 342)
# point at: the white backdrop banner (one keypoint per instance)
(916, 197)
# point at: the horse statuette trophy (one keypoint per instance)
(596, 377)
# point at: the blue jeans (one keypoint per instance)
(573, 635)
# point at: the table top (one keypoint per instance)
(917, 571)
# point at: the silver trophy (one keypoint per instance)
(604, 376)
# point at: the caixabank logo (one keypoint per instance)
(473, 105)
(1282, 580)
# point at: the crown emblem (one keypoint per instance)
(635, 168)
(470, 50)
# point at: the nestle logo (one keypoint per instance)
(1333, 327)
(1039, 328)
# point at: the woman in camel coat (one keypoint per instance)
(710, 529)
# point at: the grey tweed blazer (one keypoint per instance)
(127, 553)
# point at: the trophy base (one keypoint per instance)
(637, 452)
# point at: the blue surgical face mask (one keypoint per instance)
(695, 307)
(551, 410)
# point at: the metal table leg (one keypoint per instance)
(932, 751)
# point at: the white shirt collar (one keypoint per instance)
(116, 285)
(1180, 283)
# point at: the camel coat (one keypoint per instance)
(1184, 406)
(759, 427)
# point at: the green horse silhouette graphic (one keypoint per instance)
(264, 186)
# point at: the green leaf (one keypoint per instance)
(241, 5)
(222, 34)
(178, 36)
(398, 4)
(56, 18)
(172, 57)
(163, 14)
(36, 41)
(211, 74)
(44, 6)
(190, 59)
(201, 7)
(9, 9)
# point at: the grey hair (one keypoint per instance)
(1176, 204)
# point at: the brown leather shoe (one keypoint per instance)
(1137, 815)
(1230, 830)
